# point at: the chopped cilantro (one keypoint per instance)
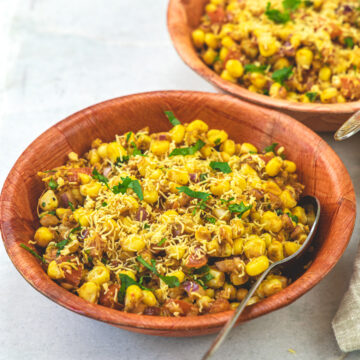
(146, 226)
(294, 218)
(240, 209)
(101, 178)
(221, 166)
(308, 3)
(128, 183)
(217, 141)
(171, 281)
(104, 203)
(271, 148)
(282, 74)
(191, 150)
(291, 5)
(203, 176)
(210, 220)
(47, 213)
(136, 151)
(127, 281)
(43, 204)
(278, 212)
(255, 68)
(32, 252)
(173, 120)
(277, 16)
(349, 42)
(161, 242)
(311, 96)
(124, 159)
(53, 184)
(60, 245)
(223, 201)
(195, 194)
(128, 136)
(71, 205)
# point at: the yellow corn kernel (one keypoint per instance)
(281, 63)
(247, 147)
(209, 56)
(257, 265)
(224, 156)
(267, 238)
(218, 279)
(254, 247)
(217, 137)
(235, 68)
(197, 125)
(226, 76)
(102, 150)
(224, 52)
(229, 291)
(178, 176)
(295, 41)
(272, 187)
(151, 196)
(144, 141)
(94, 157)
(318, 3)
(277, 91)
(325, 73)
(179, 274)
(328, 95)
(228, 42)
(84, 178)
(114, 151)
(237, 227)
(211, 40)
(177, 133)
(133, 242)
(128, 273)
(212, 247)
(271, 222)
(273, 167)
(267, 45)
(99, 275)
(228, 146)
(92, 189)
(240, 294)
(299, 212)
(269, 287)
(175, 251)
(132, 296)
(48, 201)
(206, 151)
(258, 80)
(159, 147)
(209, 8)
(292, 96)
(238, 246)
(149, 298)
(156, 174)
(198, 37)
(304, 57)
(168, 216)
(275, 251)
(340, 99)
(210, 292)
(220, 187)
(43, 236)
(290, 166)
(60, 212)
(54, 271)
(79, 212)
(287, 199)
(291, 247)
(73, 156)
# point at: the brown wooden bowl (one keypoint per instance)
(319, 168)
(184, 16)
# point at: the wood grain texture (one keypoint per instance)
(184, 16)
(319, 167)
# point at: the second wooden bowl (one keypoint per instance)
(184, 16)
(320, 169)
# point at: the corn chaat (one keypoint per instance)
(174, 223)
(298, 50)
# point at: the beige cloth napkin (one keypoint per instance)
(346, 323)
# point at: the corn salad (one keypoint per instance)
(298, 50)
(174, 223)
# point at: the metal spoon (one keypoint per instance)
(306, 201)
(349, 128)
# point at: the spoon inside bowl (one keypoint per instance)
(307, 202)
(349, 128)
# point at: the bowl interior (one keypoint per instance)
(184, 16)
(319, 169)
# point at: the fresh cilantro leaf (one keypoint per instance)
(278, 212)
(311, 96)
(161, 242)
(255, 68)
(294, 218)
(206, 276)
(127, 281)
(53, 184)
(266, 92)
(136, 151)
(173, 120)
(43, 204)
(202, 270)
(101, 178)
(171, 281)
(203, 176)
(71, 205)
(271, 148)
(252, 152)
(223, 201)
(60, 245)
(221, 166)
(195, 194)
(308, 3)
(119, 161)
(217, 58)
(240, 209)
(282, 74)
(47, 213)
(191, 150)
(32, 252)
(135, 185)
(291, 5)
(146, 226)
(128, 136)
(104, 203)
(210, 220)
(128, 183)
(217, 141)
(277, 16)
(349, 42)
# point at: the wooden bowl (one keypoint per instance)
(184, 16)
(319, 167)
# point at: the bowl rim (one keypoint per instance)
(192, 59)
(156, 325)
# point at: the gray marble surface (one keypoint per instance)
(62, 56)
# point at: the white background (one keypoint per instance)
(60, 56)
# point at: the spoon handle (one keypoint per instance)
(231, 322)
(349, 128)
